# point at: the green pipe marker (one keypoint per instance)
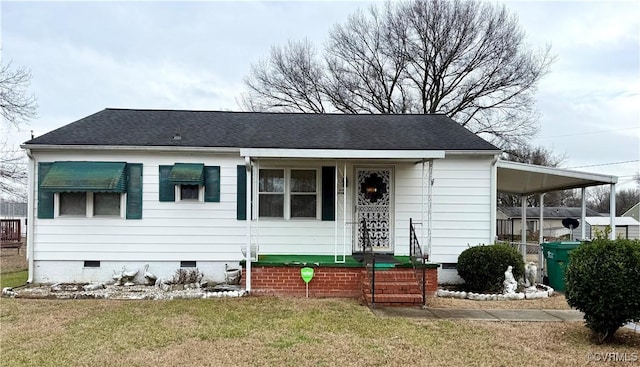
(306, 274)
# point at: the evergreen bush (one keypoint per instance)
(603, 281)
(483, 267)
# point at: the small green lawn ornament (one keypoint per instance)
(306, 274)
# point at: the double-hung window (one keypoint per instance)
(89, 204)
(288, 193)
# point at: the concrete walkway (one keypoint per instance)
(481, 315)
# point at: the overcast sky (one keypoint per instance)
(87, 56)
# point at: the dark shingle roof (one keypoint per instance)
(126, 127)
(548, 212)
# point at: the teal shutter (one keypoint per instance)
(212, 184)
(328, 193)
(45, 198)
(134, 191)
(166, 190)
(241, 209)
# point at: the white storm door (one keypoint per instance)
(374, 205)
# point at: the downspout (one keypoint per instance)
(247, 163)
(494, 200)
(523, 228)
(30, 213)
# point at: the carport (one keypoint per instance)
(529, 179)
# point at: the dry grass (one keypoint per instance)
(265, 331)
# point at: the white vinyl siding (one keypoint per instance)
(170, 231)
(209, 231)
(461, 206)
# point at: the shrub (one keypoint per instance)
(602, 280)
(483, 267)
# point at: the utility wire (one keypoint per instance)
(605, 164)
(587, 133)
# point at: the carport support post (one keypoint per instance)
(541, 222)
(612, 211)
(583, 214)
(523, 229)
(541, 240)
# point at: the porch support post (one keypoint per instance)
(344, 212)
(430, 207)
(249, 217)
(335, 214)
(583, 214)
(612, 211)
(523, 229)
(422, 221)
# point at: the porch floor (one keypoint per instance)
(318, 260)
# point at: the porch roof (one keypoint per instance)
(525, 179)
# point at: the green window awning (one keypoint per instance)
(85, 176)
(187, 174)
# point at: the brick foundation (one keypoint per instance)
(326, 282)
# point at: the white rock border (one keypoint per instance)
(527, 294)
(119, 293)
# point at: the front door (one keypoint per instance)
(373, 205)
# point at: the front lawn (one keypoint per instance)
(267, 331)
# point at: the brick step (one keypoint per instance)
(395, 299)
(392, 287)
(393, 275)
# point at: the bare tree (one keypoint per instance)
(599, 199)
(465, 59)
(17, 107)
(13, 174)
(291, 79)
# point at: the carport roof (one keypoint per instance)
(525, 179)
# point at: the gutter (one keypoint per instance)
(494, 153)
(30, 213)
(131, 148)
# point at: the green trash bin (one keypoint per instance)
(557, 256)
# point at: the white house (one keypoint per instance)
(172, 188)
(633, 212)
(125, 188)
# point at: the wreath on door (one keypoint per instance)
(373, 187)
